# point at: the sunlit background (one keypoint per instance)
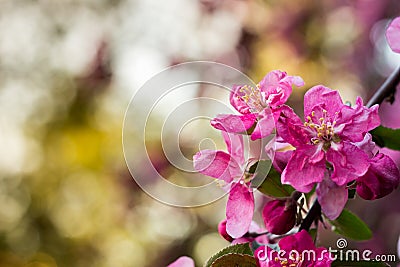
(67, 71)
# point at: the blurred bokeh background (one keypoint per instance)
(67, 71)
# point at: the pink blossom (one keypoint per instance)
(393, 35)
(383, 175)
(259, 107)
(331, 197)
(380, 180)
(222, 231)
(295, 250)
(279, 216)
(230, 167)
(326, 141)
(183, 261)
(259, 234)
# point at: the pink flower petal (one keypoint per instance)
(239, 210)
(332, 198)
(356, 121)
(329, 99)
(274, 90)
(367, 145)
(349, 162)
(254, 228)
(296, 80)
(237, 101)
(234, 143)
(305, 168)
(291, 128)
(393, 35)
(279, 216)
(234, 123)
(183, 261)
(222, 231)
(281, 159)
(265, 125)
(217, 164)
(398, 248)
(276, 87)
(380, 180)
(299, 242)
(265, 257)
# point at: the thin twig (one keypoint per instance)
(388, 89)
(313, 214)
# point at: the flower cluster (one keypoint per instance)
(323, 157)
(331, 151)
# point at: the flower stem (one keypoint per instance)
(313, 214)
(387, 90)
(254, 235)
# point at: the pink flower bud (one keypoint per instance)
(222, 231)
(380, 180)
(279, 216)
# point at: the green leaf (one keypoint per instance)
(313, 233)
(260, 169)
(338, 263)
(251, 129)
(255, 245)
(386, 137)
(272, 185)
(234, 260)
(241, 249)
(349, 225)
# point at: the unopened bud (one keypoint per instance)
(222, 231)
(279, 216)
(380, 180)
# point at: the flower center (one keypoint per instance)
(323, 128)
(253, 98)
(293, 261)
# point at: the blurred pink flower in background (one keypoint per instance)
(183, 261)
(393, 35)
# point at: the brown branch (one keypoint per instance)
(387, 90)
(313, 214)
